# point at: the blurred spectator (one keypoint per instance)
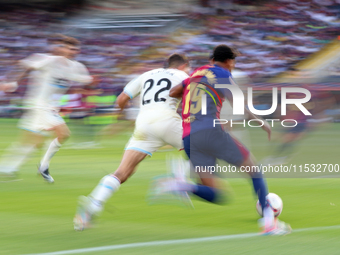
(271, 38)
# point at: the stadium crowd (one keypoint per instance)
(271, 38)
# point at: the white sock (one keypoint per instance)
(268, 216)
(14, 157)
(104, 190)
(52, 149)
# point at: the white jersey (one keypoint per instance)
(154, 87)
(51, 75)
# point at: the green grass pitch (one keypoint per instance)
(36, 217)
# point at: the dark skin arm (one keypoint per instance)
(266, 127)
(177, 91)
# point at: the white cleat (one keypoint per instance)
(82, 219)
(46, 175)
(278, 228)
(171, 188)
(178, 168)
(168, 190)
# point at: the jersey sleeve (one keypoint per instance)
(36, 61)
(134, 87)
(81, 74)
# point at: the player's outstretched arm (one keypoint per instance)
(177, 91)
(89, 89)
(94, 83)
(266, 127)
(8, 86)
(23, 68)
(13, 78)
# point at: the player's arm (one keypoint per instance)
(122, 100)
(266, 127)
(89, 89)
(177, 91)
(81, 75)
(131, 90)
(14, 77)
(24, 66)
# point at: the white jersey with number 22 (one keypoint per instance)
(154, 87)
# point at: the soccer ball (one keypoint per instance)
(274, 201)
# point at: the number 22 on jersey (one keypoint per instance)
(151, 90)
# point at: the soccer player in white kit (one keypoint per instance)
(49, 75)
(157, 124)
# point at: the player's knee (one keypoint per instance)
(64, 135)
(67, 134)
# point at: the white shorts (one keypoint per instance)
(150, 136)
(40, 120)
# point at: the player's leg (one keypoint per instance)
(62, 134)
(31, 136)
(110, 183)
(208, 188)
(219, 144)
(232, 151)
(94, 203)
(16, 155)
(260, 188)
(136, 150)
(237, 154)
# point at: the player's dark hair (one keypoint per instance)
(223, 52)
(176, 60)
(56, 39)
(71, 41)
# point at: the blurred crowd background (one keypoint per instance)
(280, 41)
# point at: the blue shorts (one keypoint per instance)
(205, 146)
